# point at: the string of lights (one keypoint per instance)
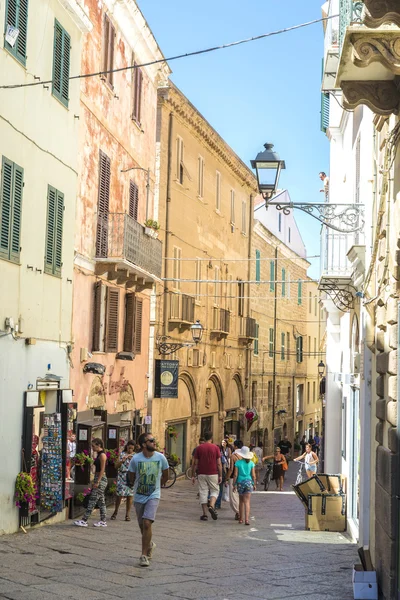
(171, 58)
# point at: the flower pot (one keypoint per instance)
(24, 509)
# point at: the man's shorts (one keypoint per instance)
(208, 484)
(147, 510)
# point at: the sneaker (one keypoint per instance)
(100, 524)
(151, 550)
(80, 523)
(144, 561)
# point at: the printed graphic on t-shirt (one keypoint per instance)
(148, 473)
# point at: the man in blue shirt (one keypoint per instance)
(147, 471)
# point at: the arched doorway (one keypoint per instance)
(233, 403)
(212, 408)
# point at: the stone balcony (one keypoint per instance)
(369, 62)
(126, 253)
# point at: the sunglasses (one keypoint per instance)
(152, 440)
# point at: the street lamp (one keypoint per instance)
(268, 168)
(321, 368)
(164, 347)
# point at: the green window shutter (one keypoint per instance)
(258, 265)
(299, 349)
(61, 63)
(282, 346)
(272, 275)
(54, 232)
(17, 16)
(12, 184)
(271, 342)
(325, 103)
(256, 340)
(283, 283)
(299, 292)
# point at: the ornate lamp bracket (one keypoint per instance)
(164, 347)
(345, 218)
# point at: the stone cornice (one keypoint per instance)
(78, 14)
(382, 97)
(380, 12)
(382, 46)
(182, 107)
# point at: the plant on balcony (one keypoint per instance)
(172, 432)
(82, 458)
(151, 228)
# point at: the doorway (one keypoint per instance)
(176, 444)
(355, 456)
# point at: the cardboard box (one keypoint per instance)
(326, 512)
(311, 486)
(365, 586)
(333, 484)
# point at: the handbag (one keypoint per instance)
(284, 464)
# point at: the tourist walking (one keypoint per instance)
(258, 452)
(233, 494)
(311, 460)
(147, 471)
(278, 471)
(303, 443)
(123, 489)
(285, 447)
(244, 480)
(98, 488)
(225, 458)
(208, 467)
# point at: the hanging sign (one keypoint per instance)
(166, 379)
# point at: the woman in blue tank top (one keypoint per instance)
(244, 480)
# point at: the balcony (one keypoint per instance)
(331, 50)
(126, 253)
(369, 56)
(221, 322)
(247, 329)
(181, 309)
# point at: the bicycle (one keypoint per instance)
(189, 473)
(171, 478)
(268, 476)
(300, 475)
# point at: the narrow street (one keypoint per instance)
(273, 559)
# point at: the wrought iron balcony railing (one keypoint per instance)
(350, 13)
(120, 238)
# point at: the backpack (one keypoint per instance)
(255, 458)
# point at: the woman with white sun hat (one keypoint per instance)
(244, 480)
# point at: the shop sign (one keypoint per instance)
(166, 379)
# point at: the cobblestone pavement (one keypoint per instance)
(272, 559)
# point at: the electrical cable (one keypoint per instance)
(176, 57)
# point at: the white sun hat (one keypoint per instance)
(245, 453)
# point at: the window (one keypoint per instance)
(233, 207)
(258, 265)
(244, 209)
(231, 292)
(217, 286)
(200, 166)
(105, 318)
(218, 191)
(288, 345)
(256, 341)
(133, 324)
(272, 276)
(269, 392)
(282, 346)
(12, 184)
(61, 62)
(313, 391)
(279, 222)
(308, 392)
(54, 231)
(133, 200)
(315, 306)
(309, 302)
(103, 206)
(289, 235)
(137, 95)
(299, 349)
(288, 285)
(271, 342)
(198, 277)
(17, 16)
(283, 283)
(309, 347)
(240, 298)
(108, 51)
(176, 269)
(299, 292)
(179, 159)
(315, 347)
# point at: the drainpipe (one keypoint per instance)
(247, 377)
(167, 205)
(274, 357)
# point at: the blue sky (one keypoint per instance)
(267, 90)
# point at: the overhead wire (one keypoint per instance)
(176, 57)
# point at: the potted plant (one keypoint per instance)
(25, 492)
(79, 498)
(82, 461)
(172, 432)
(151, 228)
(112, 457)
(174, 460)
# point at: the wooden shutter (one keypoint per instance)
(138, 325)
(108, 50)
(137, 95)
(325, 102)
(17, 16)
(58, 233)
(272, 275)
(50, 230)
(133, 200)
(129, 331)
(112, 319)
(97, 316)
(103, 206)
(61, 63)
(258, 265)
(12, 183)
(299, 292)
